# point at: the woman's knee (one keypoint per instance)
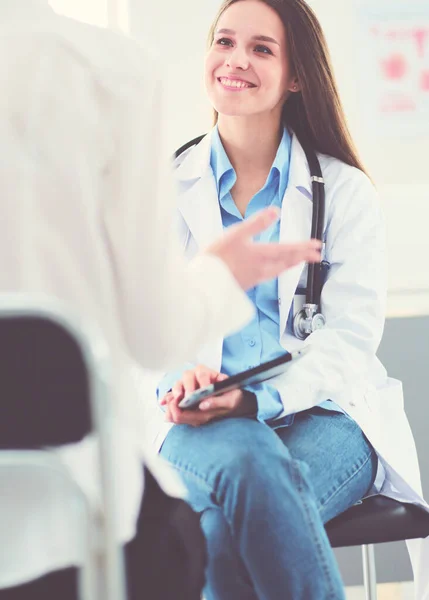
(256, 457)
(234, 455)
(220, 443)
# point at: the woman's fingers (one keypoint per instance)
(169, 396)
(178, 391)
(205, 376)
(194, 418)
(221, 377)
(194, 379)
(173, 414)
(226, 402)
(189, 382)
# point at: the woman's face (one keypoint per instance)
(247, 69)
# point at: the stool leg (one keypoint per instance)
(369, 572)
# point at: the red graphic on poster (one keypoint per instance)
(402, 60)
(394, 67)
(421, 36)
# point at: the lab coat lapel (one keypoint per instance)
(198, 201)
(199, 207)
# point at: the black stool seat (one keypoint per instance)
(376, 521)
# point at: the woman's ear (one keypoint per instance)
(294, 86)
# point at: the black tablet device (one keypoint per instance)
(258, 374)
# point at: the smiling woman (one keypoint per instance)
(291, 71)
(268, 465)
(242, 58)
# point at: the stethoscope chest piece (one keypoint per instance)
(307, 321)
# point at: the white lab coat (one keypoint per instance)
(342, 364)
(86, 215)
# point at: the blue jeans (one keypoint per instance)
(265, 495)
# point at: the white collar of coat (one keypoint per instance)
(193, 164)
(23, 10)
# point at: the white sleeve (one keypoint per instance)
(168, 308)
(353, 303)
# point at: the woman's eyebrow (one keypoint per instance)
(265, 38)
(259, 38)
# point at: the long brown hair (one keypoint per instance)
(315, 114)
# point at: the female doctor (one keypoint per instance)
(268, 466)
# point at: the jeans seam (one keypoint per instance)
(300, 487)
(346, 481)
(212, 493)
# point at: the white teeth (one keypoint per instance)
(233, 83)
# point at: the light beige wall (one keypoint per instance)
(90, 11)
(398, 163)
(176, 31)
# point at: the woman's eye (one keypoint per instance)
(224, 42)
(263, 49)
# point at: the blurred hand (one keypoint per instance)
(232, 404)
(252, 262)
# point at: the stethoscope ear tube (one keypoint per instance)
(314, 279)
(310, 319)
(188, 145)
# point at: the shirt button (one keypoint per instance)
(252, 343)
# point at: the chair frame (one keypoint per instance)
(369, 572)
(368, 545)
(96, 357)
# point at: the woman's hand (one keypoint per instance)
(232, 404)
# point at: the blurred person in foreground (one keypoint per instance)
(85, 208)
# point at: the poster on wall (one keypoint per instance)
(395, 65)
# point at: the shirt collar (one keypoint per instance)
(193, 165)
(282, 161)
(219, 160)
(221, 164)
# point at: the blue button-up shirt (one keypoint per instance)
(259, 341)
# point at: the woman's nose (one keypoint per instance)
(238, 59)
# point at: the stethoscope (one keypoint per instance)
(309, 318)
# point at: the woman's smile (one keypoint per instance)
(235, 84)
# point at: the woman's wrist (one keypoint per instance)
(249, 403)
